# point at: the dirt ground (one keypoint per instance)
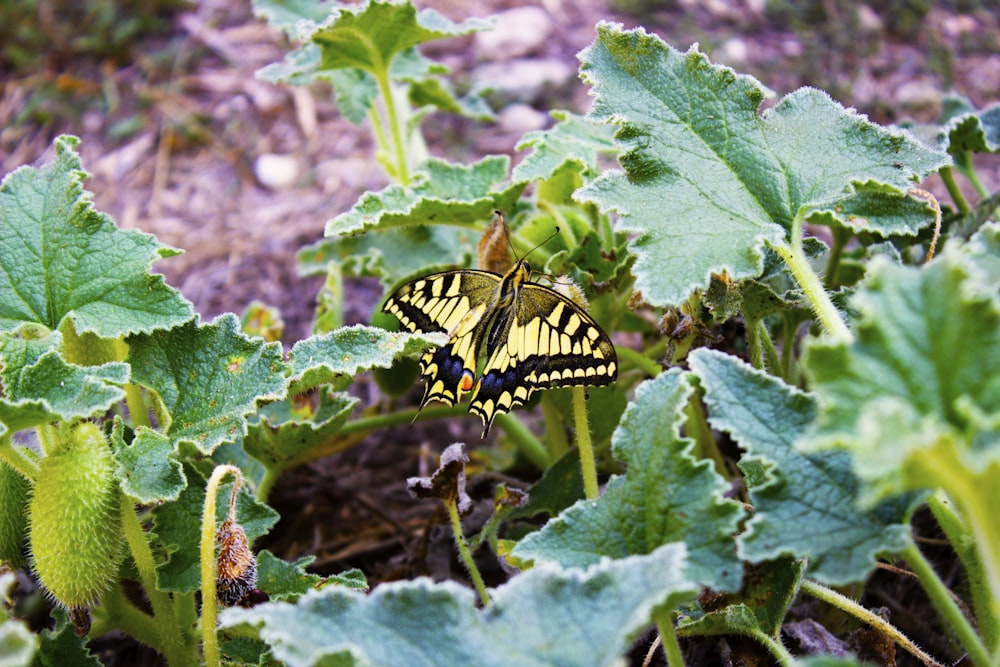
(172, 137)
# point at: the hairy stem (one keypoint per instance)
(671, 648)
(944, 603)
(209, 594)
(588, 464)
(948, 178)
(463, 551)
(851, 607)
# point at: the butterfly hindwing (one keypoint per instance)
(544, 341)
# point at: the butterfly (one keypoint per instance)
(531, 337)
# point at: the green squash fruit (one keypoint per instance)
(15, 493)
(76, 530)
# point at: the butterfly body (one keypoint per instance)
(530, 336)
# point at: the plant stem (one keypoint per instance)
(463, 550)
(209, 594)
(18, 458)
(771, 353)
(641, 361)
(524, 439)
(777, 649)
(827, 314)
(941, 599)
(137, 410)
(123, 615)
(948, 178)
(587, 463)
(392, 117)
(172, 641)
(754, 343)
(963, 542)
(555, 434)
(841, 235)
(851, 607)
(697, 428)
(671, 648)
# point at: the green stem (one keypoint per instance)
(941, 598)
(754, 344)
(271, 475)
(466, 555)
(209, 594)
(644, 363)
(671, 647)
(851, 607)
(588, 464)
(777, 649)
(948, 178)
(697, 428)
(392, 117)
(134, 399)
(965, 166)
(524, 440)
(555, 434)
(48, 438)
(172, 642)
(827, 314)
(18, 458)
(771, 353)
(964, 544)
(121, 614)
(841, 235)
(403, 417)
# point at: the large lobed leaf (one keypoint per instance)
(918, 390)
(546, 616)
(666, 495)
(209, 377)
(805, 504)
(59, 258)
(708, 179)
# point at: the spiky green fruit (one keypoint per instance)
(15, 493)
(76, 529)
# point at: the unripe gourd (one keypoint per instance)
(15, 493)
(76, 531)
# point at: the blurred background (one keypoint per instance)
(182, 140)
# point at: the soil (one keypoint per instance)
(172, 135)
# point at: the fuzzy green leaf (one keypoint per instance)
(665, 495)
(708, 180)
(209, 376)
(177, 527)
(348, 351)
(59, 258)
(815, 492)
(17, 643)
(286, 15)
(368, 36)
(546, 616)
(61, 646)
(399, 242)
(921, 381)
(283, 430)
(39, 385)
(282, 580)
(147, 467)
(572, 139)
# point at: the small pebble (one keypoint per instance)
(276, 171)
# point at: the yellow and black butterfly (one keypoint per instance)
(532, 338)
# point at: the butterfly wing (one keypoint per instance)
(542, 340)
(458, 303)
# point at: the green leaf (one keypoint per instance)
(369, 35)
(876, 208)
(17, 643)
(40, 386)
(805, 503)
(922, 377)
(348, 351)
(458, 196)
(287, 15)
(177, 526)
(60, 646)
(546, 616)
(709, 180)
(282, 580)
(665, 495)
(573, 139)
(760, 606)
(285, 429)
(147, 466)
(59, 257)
(209, 376)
